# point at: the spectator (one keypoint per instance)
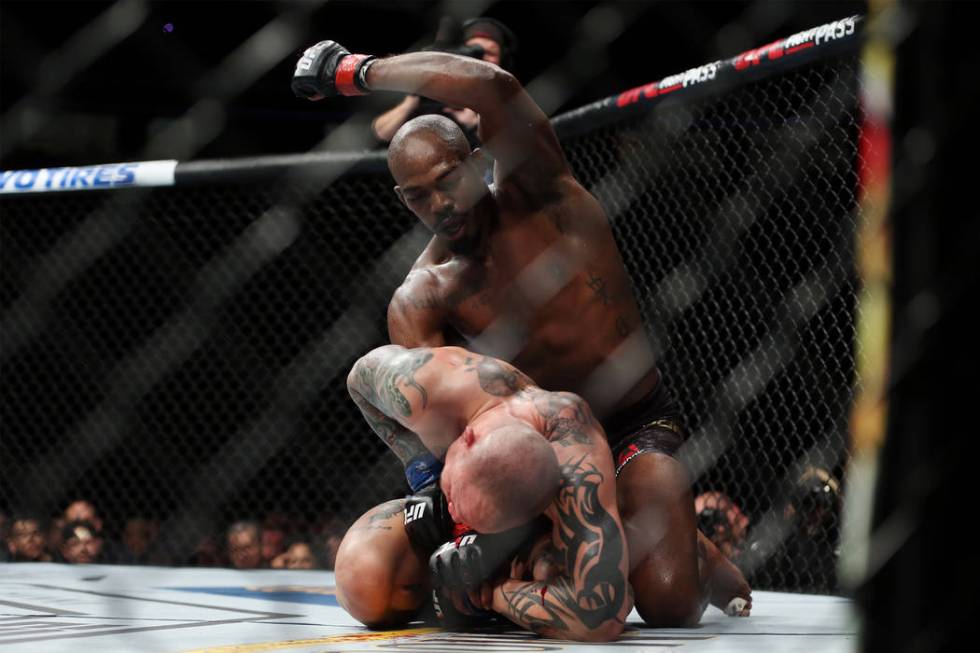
(138, 538)
(484, 38)
(4, 531)
(722, 521)
(25, 541)
(244, 545)
(55, 537)
(300, 553)
(331, 535)
(82, 543)
(83, 510)
(207, 553)
(273, 537)
(800, 551)
(815, 503)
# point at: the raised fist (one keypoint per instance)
(328, 69)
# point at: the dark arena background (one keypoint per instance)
(178, 354)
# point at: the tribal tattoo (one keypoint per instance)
(590, 543)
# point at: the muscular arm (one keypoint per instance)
(416, 317)
(590, 599)
(512, 127)
(382, 383)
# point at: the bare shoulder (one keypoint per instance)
(564, 200)
(568, 419)
(416, 313)
(421, 285)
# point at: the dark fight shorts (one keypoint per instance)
(652, 425)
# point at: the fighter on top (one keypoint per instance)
(527, 270)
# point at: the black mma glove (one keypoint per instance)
(462, 565)
(328, 69)
(427, 520)
(471, 559)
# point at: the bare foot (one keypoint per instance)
(726, 585)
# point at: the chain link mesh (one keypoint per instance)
(181, 353)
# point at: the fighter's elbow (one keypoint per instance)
(613, 620)
(353, 376)
(490, 87)
(502, 83)
(359, 379)
(607, 631)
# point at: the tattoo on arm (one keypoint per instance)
(403, 443)
(594, 589)
(498, 378)
(376, 392)
(568, 419)
(598, 285)
(381, 514)
(378, 381)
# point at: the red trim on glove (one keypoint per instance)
(346, 72)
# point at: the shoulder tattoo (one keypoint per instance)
(498, 378)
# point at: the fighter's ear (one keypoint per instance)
(477, 155)
(478, 161)
(401, 195)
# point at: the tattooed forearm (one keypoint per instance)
(404, 443)
(594, 591)
(376, 385)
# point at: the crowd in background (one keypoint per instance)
(792, 547)
(77, 536)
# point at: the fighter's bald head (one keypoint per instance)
(423, 140)
(503, 478)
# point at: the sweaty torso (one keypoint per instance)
(551, 295)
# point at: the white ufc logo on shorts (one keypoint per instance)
(414, 512)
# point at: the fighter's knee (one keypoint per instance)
(671, 608)
(667, 599)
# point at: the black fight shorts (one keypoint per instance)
(652, 425)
